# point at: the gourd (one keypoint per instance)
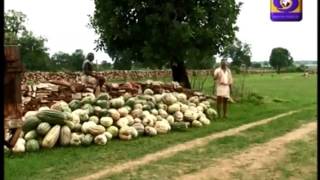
(148, 92)
(75, 104)
(114, 114)
(86, 125)
(30, 123)
(123, 111)
(139, 127)
(211, 112)
(122, 122)
(103, 96)
(30, 135)
(97, 111)
(162, 127)
(106, 121)
(52, 117)
(130, 120)
(163, 113)
(65, 136)
(117, 102)
(178, 116)
(52, 137)
(32, 145)
(158, 98)
(174, 108)
(108, 135)
(19, 147)
(194, 99)
(43, 128)
(113, 130)
(136, 113)
(137, 120)
(103, 104)
(138, 106)
(179, 126)
(43, 108)
(169, 99)
(89, 108)
(125, 133)
(170, 119)
(95, 119)
(61, 106)
(96, 130)
(154, 112)
(87, 139)
(75, 139)
(150, 131)
(188, 115)
(162, 106)
(100, 139)
(183, 108)
(77, 127)
(70, 124)
(196, 123)
(30, 113)
(204, 120)
(88, 99)
(181, 97)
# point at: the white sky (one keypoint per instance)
(64, 24)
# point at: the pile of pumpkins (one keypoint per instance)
(97, 120)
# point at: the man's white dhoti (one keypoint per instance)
(223, 82)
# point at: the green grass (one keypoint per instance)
(199, 158)
(75, 161)
(300, 161)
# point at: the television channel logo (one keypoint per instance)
(286, 10)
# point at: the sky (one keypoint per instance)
(64, 24)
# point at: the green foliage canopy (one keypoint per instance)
(157, 32)
(280, 58)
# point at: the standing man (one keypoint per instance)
(88, 76)
(223, 80)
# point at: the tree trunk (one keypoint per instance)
(278, 70)
(179, 74)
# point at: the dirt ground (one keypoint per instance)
(107, 171)
(253, 160)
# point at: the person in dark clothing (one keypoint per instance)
(89, 77)
(87, 65)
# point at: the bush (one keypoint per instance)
(301, 68)
(235, 69)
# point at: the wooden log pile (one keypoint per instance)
(73, 77)
(45, 94)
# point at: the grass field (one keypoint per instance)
(63, 163)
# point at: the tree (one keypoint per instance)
(280, 58)
(122, 64)
(204, 63)
(160, 32)
(33, 52)
(105, 65)
(256, 65)
(13, 25)
(75, 60)
(239, 52)
(71, 62)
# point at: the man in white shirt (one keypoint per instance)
(223, 79)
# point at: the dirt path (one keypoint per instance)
(253, 159)
(107, 171)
